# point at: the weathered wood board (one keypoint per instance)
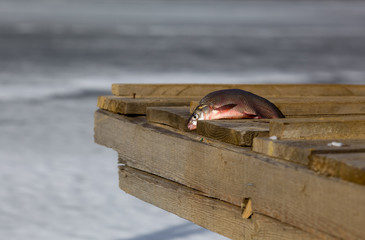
(238, 132)
(211, 213)
(321, 105)
(133, 106)
(288, 192)
(348, 166)
(299, 151)
(260, 89)
(176, 117)
(314, 106)
(342, 127)
(241, 132)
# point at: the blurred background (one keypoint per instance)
(56, 57)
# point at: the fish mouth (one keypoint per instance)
(191, 126)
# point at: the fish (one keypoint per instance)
(233, 104)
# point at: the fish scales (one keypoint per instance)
(233, 104)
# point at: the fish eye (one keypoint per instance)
(195, 116)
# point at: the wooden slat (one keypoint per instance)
(260, 89)
(176, 117)
(319, 128)
(346, 162)
(211, 213)
(320, 105)
(299, 151)
(237, 132)
(314, 106)
(348, 166)
(137, 105)
(285, 191)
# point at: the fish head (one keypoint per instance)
(200, 113)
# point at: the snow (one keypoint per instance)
(58, 184)
(273, 138)
(335, 144)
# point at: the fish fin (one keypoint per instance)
(225, 107)
(252, 116)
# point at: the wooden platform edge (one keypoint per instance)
(322, 210)
(210, 213)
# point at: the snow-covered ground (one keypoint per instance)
(57, 184)
(58, 56)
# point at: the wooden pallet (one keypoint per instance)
(301, 177)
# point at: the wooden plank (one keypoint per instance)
(237, 132)
(260, 89)
(176, 117)
(325, 207)
(137, 105)
(348, 166)
(319, 128)
(320, 105)
(299, 151)
(294, 106)
(210, 213)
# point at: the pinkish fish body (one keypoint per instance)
(233, 104)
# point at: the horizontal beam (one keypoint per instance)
(210, 213)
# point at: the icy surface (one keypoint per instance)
(57, 184)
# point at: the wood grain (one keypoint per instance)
(260, 89)
(343, 127)
(281, 190)
(299, 151)
(176, 117)
(237, 132)
(195, 206)
(348, 166)
(131, 106)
